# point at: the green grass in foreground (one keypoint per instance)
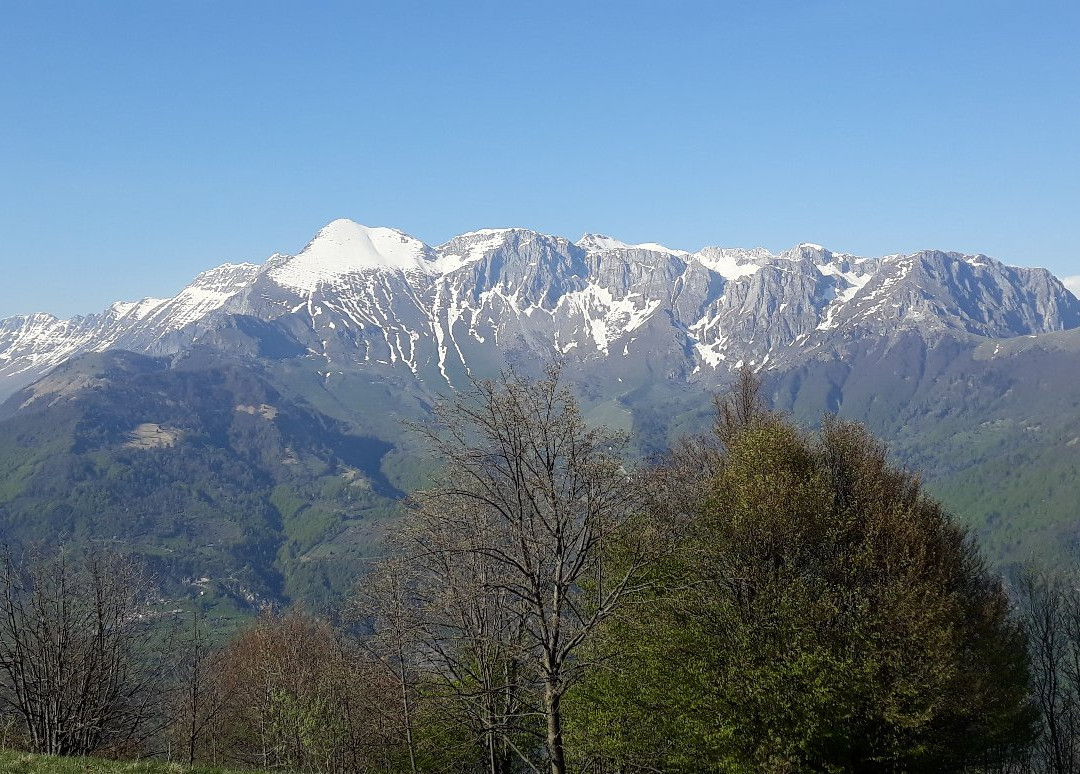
(13, 762)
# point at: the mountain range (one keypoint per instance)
(968, 367)
(369, 297)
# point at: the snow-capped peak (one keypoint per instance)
(471, 247)
(136, 310)
(599, 243)
(345, 247)
(487, 233)
(733, 262)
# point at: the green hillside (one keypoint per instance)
(992, 427)
(223, 483)
(243, 479)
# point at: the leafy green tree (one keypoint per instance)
(823, 614)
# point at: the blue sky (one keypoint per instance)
(142, 142)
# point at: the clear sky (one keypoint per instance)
(142, 142)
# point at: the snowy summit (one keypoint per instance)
(344, 247)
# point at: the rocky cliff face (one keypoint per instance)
(375, 298)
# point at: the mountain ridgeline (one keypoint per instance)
(249, 430)
(370, 297)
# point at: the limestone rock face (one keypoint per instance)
(375, 298)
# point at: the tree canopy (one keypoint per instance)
(823, 614)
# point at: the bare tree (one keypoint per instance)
(517, 529)
(741, 406)
(462, 629)
(1051, 614)
(383, 601)
(200, 695)
(75, 650)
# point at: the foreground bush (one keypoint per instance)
(298, 695)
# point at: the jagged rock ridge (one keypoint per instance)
(378, 298)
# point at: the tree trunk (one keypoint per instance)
(553, 707)
(407, 710)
